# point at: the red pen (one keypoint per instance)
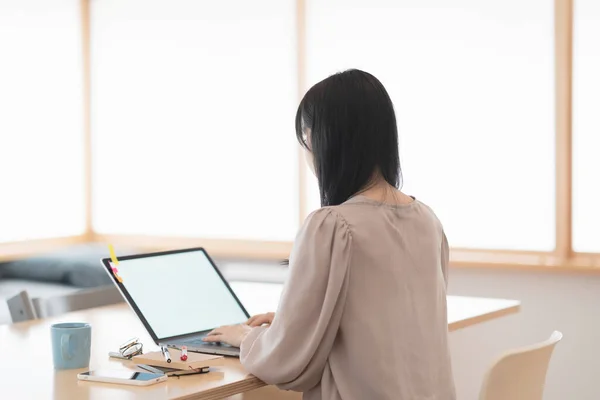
(183, 353)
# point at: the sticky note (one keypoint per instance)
(119, 279)
(113, 256)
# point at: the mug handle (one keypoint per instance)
(65, 341)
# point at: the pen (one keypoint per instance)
(165, 353)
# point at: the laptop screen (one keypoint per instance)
(179, 293)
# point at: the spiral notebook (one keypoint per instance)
(194, 361)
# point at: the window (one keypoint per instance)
(473, 87)
(586, 127)
(193, 108)
(41, 124)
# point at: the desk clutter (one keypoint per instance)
(168, 361)
(193, 361)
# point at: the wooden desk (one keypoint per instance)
(26, 369)
(462, 311)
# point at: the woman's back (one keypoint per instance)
(392, 341)
(363, 314)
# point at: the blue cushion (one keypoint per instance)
(76, 265)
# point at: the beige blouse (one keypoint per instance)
(363, 313)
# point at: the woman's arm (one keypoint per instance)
(293, 350)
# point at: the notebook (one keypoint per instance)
(173, 372)
(194, 361)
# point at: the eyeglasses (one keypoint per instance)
(131, 348)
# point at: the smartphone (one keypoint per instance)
(122, 377)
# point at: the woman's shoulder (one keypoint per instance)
(320, 230)
(325, 217)
(361, 211)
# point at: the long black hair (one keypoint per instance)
(353, 134)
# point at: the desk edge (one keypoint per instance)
(463, 323)
(220, 392)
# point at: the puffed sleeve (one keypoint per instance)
(292, 352)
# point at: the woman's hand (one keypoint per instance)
(261, 319)
(232, 334)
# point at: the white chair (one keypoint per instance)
(80, 300)
(520, 374)
(20, 307)
(23, 308)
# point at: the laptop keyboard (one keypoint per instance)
(197, 341)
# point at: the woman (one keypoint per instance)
(363, 313)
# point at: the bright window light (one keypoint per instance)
(41, 125)
(193, 108)
(586, 127)
(473, 87)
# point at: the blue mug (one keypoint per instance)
(71, 343)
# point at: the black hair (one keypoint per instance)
(353, 134)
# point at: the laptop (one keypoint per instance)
(179, 296)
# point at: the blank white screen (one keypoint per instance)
(473, 87)
(179, 293)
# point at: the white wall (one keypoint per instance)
(550, 301)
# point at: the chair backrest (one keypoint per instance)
(520, 374)
(80, 300)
